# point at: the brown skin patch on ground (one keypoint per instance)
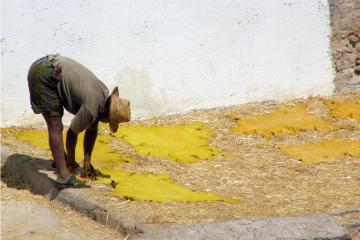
(268, 181)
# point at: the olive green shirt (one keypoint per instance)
(81, 92)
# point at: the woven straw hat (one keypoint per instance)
(119, 110)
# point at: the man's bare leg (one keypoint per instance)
(56, 143)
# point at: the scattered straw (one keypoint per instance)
(268, 181)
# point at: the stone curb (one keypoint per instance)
(29, 171)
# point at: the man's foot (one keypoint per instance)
(68, 182)
(64, 178)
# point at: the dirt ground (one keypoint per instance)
(72, 222)
(267, 181)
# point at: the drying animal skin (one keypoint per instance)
(284, 120)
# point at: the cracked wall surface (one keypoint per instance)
(345, 42)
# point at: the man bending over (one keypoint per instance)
(57, 82)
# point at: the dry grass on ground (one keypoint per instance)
(267, 181)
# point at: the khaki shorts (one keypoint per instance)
(44, 96)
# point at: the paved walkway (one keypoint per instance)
(27, 220)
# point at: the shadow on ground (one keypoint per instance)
(40, 172)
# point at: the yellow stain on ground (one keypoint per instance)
(150, 187)
(284, 120)
(325, 151)
(343, 110)
(184, 143)
(102, 156)
(134, 186)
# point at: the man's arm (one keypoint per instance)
(89, 142)
(71, 140)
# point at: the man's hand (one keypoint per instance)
(89, 170)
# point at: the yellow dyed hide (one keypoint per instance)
(326, 151)
(150, 187)
(285, 120)
(184, 143)
(343, 110)
(102, 156)
(134, 186)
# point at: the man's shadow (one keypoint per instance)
(36, 174)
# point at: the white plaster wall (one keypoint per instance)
(170, 56)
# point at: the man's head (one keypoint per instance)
(118, 111)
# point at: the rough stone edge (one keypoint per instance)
(39, 183)
(322, 226)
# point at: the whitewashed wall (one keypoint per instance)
(170, 56)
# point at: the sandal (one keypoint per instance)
(69, 182)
